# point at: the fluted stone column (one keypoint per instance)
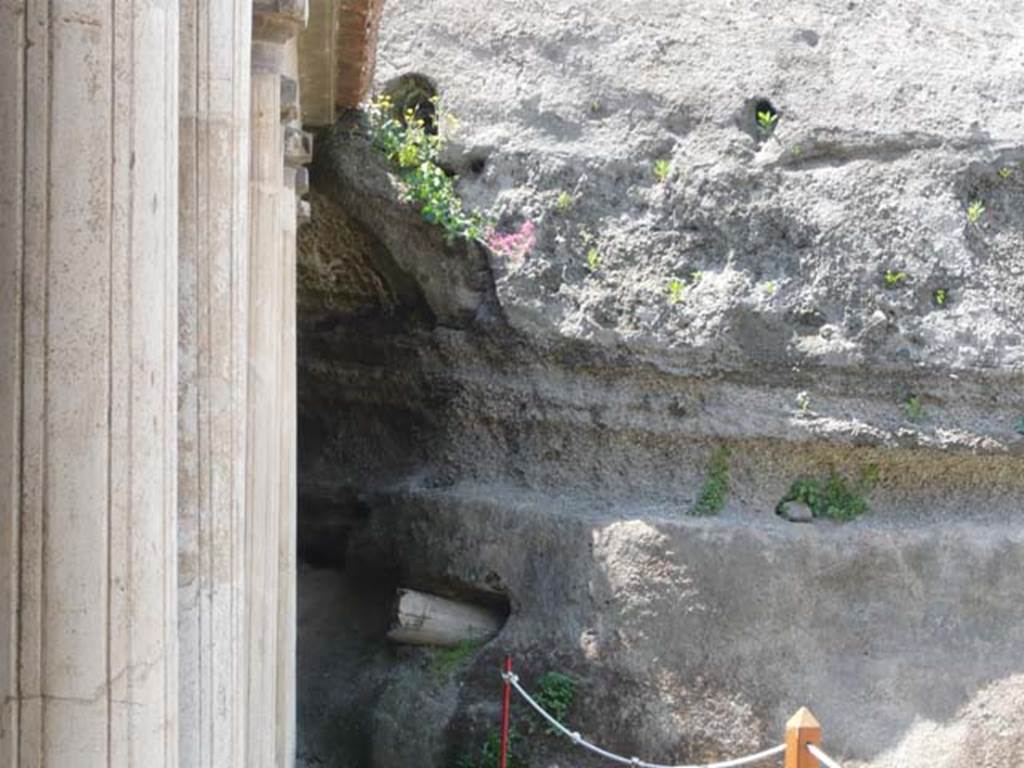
(88, 377)
(271, 425)
(297, 152)
(264, 424)
(213, 311)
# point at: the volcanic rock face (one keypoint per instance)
(832, 292)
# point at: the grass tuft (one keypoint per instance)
(711, 499)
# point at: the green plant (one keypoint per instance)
(940, 297)
(414, 149)
(490, 752)
(675, 290)
(696, 276)
(974, 211)
(563, 202)
(766, 121)
(893, 278)
(1005, 172)
(835, 497)
(914, 408)
(555, 693)
(447, 660)
(662, 168)
(711, 498)
(593, 259)
(803, 401)
(769, 288)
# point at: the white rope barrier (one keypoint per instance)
(827, 761)
(578, 740)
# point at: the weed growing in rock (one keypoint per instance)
(769, 288)
(675, 290)
(447, 660)
(695, 277)
(592, 251)
(408, 142)
(563, 202)
(1005, 172)
(555, 693)
(766, 121)
(803, 401)
(894, 279)
(515, 245)
(835, 497)
(662, 168)
(711, 499)
(940, 297)
(490, 752)
(975, 211)
(914, 409)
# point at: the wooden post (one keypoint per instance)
(801, 730)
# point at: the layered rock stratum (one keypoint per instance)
(837, 293)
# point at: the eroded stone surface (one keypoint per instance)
(543, 428)
(890, 123)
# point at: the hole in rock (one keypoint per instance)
(416, 95)
(477, 165)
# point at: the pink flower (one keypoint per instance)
(514, 246)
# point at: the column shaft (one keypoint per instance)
(270, 733)
(264, 482)
(287, 541)
(88, 255)
(213, 312)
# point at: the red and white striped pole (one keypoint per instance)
(506, 702)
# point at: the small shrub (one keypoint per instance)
(835, 497)
(555, 693)
(975, 210)
(593, 259)
(1005, 172)
(914, 408)
(415, 150)
(711, 499)
(675, 290)
(662, 168)
(490, 752)
(940, 297)
(695, 277)
(769, 288)
(563, 202)
(894, 279)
